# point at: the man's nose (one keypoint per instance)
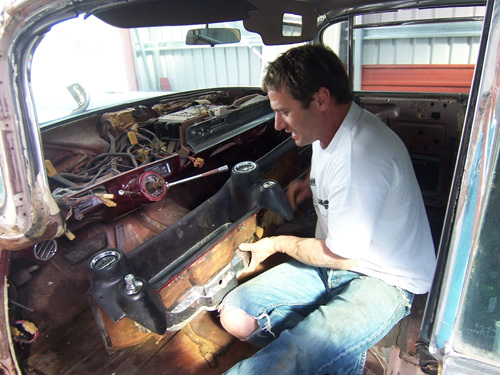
(279, 124)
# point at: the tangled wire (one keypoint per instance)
(122, 156)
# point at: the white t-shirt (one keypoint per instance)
(369, 203)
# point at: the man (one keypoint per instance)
(347, 287)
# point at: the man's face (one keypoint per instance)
(291, 117)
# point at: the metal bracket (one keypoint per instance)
(207, 297)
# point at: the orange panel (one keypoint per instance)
(418, 77)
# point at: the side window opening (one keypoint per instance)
(411, 51)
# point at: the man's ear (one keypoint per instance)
(323, 98)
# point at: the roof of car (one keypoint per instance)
(261, 16)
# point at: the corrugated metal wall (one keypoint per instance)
(457, 43)
(161, 53)
(440, 43)
(443, 43)
(421, 14)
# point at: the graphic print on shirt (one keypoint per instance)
(312, 184)
(316, 201)
(324, 203)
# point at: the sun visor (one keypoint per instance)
(283, 21)
(174, 12)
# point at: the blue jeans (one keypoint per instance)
(315, 320)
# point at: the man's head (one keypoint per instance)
(303, 70)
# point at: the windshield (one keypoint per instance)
(84, 64)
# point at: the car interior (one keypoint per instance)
(157, 194)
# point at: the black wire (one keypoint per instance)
(74, 177)
(155, 138)
(107, 154)
(112, 143)
(119, 148)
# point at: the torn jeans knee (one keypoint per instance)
(279, 299)
(262, 335)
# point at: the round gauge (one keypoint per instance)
(245, 167)
(105, 260)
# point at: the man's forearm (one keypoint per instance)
(312, 251)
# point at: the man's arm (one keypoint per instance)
(299, 191)
(312, 251)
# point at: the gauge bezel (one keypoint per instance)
(245, 167)
(101, 256)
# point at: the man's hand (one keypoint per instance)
(260, 251)
(312, 251)
(298, 192)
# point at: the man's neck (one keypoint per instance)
(336, 116)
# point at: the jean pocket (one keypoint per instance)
(338, 278)
(407, 299)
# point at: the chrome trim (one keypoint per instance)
(207, 297)
(45, 250)
(103, 255)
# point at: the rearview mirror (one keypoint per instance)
(213, 36)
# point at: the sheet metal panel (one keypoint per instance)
(418, 78)
(453, 46)
(457, 44)
(161, 53)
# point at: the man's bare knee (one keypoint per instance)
(237, 322)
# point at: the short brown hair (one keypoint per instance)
(304, 70)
